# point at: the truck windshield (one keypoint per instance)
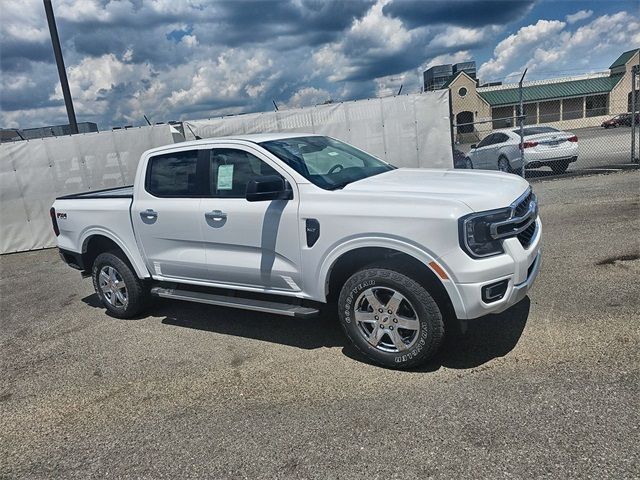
(327, 163)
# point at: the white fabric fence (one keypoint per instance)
(407, 131)
(34, 172)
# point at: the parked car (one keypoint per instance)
(543, 146)
(624, 119)
(460, 160)
(285, 223)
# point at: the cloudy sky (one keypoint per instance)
(180, 59)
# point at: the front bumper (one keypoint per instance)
(519, 266)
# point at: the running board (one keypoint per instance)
(236, 302)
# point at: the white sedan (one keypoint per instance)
(542, 146)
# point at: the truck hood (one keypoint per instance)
(479, 190)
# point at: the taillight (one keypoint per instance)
(54, 221)
(572, 139)
(529, 144)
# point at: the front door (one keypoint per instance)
(166, 216)
(483, 154)
(251, 244)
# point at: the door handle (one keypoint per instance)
(149, 213)
(216, 215)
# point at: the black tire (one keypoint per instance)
(507, 168)
(560, 167)
(419, 348)
(468, 164)
(137, 292)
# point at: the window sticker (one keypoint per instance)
(225, 177)
(333, 154)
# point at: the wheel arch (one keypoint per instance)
(407, 258)
(95, 242)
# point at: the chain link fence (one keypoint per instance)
(588, 133)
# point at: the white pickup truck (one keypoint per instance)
(283, 223)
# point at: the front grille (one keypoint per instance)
(527, 235)
(522, 207)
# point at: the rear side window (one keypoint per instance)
(500, 138)
(488, 140)
(173, 175)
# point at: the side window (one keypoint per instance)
(173, 175)
(500, 138)
(488, 140)
(230, 171)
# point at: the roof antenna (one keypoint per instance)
(147, 120)
(274, 105)
(401, 85)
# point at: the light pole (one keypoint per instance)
(57, 52)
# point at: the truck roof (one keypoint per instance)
(253, 137)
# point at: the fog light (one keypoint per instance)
(495, 291)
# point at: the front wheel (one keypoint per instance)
(468, 164)
(504, 165)
(120, 290)
(390, 318)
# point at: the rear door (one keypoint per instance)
(166, 215)
(498, 144)
(249, 244)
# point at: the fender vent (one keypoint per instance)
(313, 231)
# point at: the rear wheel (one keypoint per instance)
(504, 165)
(560, 167)
(390, 318)
(120, 290)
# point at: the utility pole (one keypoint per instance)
(521, 120)
(57, 52)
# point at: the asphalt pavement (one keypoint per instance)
(548, 389)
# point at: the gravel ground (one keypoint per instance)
(547, 389)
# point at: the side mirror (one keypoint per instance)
(474, 146)
(268, 187)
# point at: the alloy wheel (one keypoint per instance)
(113, 287)
(386, 319)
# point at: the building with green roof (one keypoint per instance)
(566, 103)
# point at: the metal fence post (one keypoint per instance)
(635, 70)
(521, 121)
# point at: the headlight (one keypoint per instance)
(475, 237)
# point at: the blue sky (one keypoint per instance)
(172, 60)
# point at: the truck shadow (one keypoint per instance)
(483, 339)
(477, 342)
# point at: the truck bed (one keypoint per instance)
(117, 192)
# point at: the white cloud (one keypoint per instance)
(552, 49)
(23, 20)
(224, 78)
(517, 46)
(461, 56)
(173, 59)
(578, 16)
(308, 96)
(459, 36)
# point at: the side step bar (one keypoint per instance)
(236, 302)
